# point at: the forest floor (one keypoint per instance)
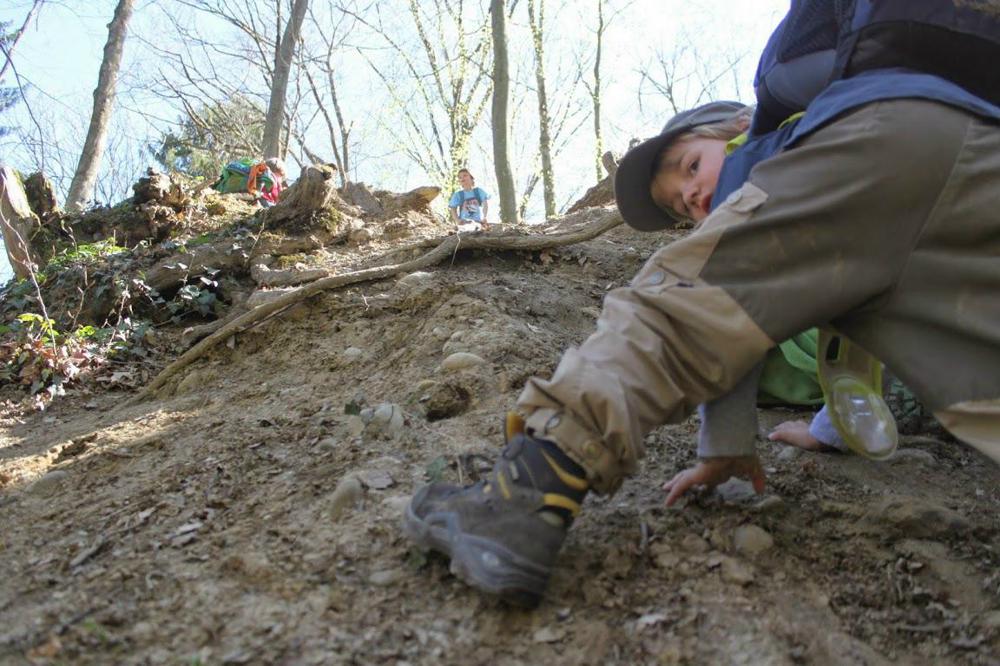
(250, 513)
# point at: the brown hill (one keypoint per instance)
(247, 511)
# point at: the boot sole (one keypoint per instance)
(482, 563)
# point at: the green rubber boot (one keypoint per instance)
(852, 385)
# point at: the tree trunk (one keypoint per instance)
(501, 120)
(340, 158)
(312, 192)
(41, 196)
(345, 135)
(282, 65)
(17, 223)
(545, 136)
(82, 187)
(596, 93)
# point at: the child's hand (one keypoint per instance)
(797, 434)
(713, 471)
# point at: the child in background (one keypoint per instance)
(470, 205)
(263, 180)
(269, 194)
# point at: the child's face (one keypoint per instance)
(687, 176)
(465, 179)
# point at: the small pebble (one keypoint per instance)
(664, 557)
(386, 578)
(734, 571)
(549, 635)
(346, 495)
(361, 236)
(789, 453)
(718, 538)
(918, 456)
(692, 543)
(918, 518)
(193, 381)
(377, 479)
(736, 490)
(49, 483)
(752, 540)
(461, 361)
(143, 631)
(416, 278)
(388, 417)
(355, 425)
(770, 504)
(396, 504)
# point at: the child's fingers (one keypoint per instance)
(675, 494)
(678, 478)
(670, 484)
(679, 485)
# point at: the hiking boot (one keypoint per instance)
(503, 534)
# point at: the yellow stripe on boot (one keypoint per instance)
(561, 502)
(574, 482)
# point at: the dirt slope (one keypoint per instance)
(250, 514)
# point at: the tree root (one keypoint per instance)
(447, 246)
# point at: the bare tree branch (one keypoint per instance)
(9, 51)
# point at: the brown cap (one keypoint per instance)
(635, 171)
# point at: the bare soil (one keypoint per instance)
(250, 515)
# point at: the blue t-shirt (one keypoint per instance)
(469, 204)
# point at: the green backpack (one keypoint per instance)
(234, 177)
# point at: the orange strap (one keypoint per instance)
(255, 171)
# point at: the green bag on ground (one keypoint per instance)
(790, 373)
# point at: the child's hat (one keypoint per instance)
(635, 171)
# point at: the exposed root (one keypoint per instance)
(604, 220)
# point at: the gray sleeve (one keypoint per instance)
(729, 423)
(822, 429)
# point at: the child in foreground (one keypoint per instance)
(874, 214)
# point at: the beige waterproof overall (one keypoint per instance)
(884, 224)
